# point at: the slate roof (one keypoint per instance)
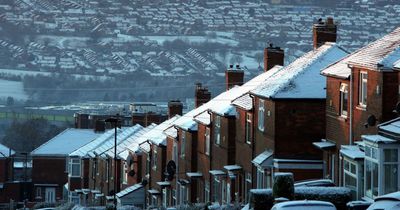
(302, 79)
(381, 54)
(66, 142)
(5, 151)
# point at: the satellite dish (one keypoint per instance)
(398, 107)
(170, 177)
(131, 173)
(171, 168)
(371, 121)
(144, 182)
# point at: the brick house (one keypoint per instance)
(362, 90)
(283, 103)
(104, 172)
(50, 168)
(6, 191)
(154, 151)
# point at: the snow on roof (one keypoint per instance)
(222, 104)
(382, 53)
(352, 152)
(232, 167)
(122, 134)
(64, 143)
(5, 151)
(339, 69)
(245, 101)
(377, 139)
(392, 126)
(324, 144)
(128, 190)
(122, 146)
(302, 78)
(157, 135)
(261, 159)
(305, 205)
(390, 196)
(84, 150)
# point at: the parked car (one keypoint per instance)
(315, 183)
(304, 205)
(387, 202)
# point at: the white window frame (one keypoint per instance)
(217, 130)
(173, 191)
(248, 128)
(363, 89)
(247, 185)
(216, 195)
(154, 158)
(207, 141)
(371, 156)
(261, 179)
(344, 92)
(175, 152)
(206, 192)
(38, 193)
(385, 163)
(261, 115)
(124, 172)
(348, 171)
(75, 162)
(183, 144)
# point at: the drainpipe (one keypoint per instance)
(351, 106)
(252, 139)
(177, 189)
(210, 155)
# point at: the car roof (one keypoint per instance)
(304, 203)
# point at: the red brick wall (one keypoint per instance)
(3, 170)
(50, 170)
(305, 119)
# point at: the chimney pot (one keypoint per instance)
(231, 66)
(324, 32)
(237, 66)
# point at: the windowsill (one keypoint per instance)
(343, 117)
(154, 168)
(361, 107)
(248, 142)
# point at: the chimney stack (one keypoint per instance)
(324, 32)
(99, 126)
(202, 95)
(233, 76)
(175, 107)
(273, 56)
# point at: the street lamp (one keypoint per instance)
(115, 121)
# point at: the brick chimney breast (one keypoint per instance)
(273, 56)
(233, 76)
(175, 107)
(202, 95)
(324, 32)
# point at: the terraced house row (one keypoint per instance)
(329, 114)
(228, 144)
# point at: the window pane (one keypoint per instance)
(390, 155)
(375, 179)
(352, 168)
(390, 178)
(368, 178)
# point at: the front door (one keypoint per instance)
(50, 196)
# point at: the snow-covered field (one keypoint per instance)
(13, 89)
